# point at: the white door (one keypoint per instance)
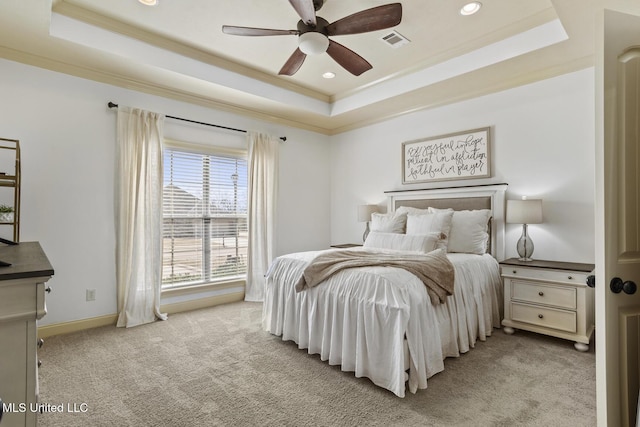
(617, 208)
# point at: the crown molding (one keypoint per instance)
(533, 21)
(375, 113)
(426, 101)
(156, 89)
(87, 16)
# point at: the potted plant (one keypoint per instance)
(6, 213)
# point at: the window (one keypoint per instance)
(204, 216)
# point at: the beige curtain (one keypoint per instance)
(138, 216)
(263, 185)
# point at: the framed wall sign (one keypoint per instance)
(461, 155)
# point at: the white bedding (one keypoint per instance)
(359, 317)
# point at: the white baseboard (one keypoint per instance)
(76, 325)
(111, 319)
(179, 307)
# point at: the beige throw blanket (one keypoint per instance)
(433, 268)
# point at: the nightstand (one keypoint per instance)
(549, 297)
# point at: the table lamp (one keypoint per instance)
(525, 211)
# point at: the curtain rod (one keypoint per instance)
(114, 105)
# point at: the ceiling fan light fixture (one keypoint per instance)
(328, 75)
(314, 31)
(470, 8)
(313, 43)
(149, 2)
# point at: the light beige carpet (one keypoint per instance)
(216, 367)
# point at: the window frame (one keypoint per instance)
(213, 283)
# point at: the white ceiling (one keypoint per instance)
(177, 49)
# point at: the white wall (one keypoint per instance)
(67, 136)
(543, 147)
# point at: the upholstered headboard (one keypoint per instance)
(490, 197)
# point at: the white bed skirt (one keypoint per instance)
(359, 317)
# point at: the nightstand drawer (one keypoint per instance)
(537, 293)
(545, 274)
(546, 317)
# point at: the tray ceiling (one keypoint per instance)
(177, 49)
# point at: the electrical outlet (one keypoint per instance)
(91, 294)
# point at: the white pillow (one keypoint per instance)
(437, 222)
(402, 242)
(411, 210)
(388, 223)
(469, 231)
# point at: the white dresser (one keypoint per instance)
(22, 303)
(549, 297)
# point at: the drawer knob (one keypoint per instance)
(541, 293)
(515, 271)
(540, 316)
(48, 289)
(570, 277)
(39, 363)
(40, 343)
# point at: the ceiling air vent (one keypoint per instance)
(394, 39)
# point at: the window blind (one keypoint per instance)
(204, 217)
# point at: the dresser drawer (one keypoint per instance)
(542, 316)
(539, 293)
(550, 275)
(17, 300)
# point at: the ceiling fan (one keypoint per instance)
(314, 32)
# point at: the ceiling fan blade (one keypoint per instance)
(249, 31)
(376, 18)
(305, 10)
(293, 63)
(348, 59)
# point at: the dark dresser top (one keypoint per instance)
(27, 260)
(556, 265)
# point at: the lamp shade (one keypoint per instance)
(365, 211)
(528, 211)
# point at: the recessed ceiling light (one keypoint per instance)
(149, 2)
(470, 8)
(329, 75)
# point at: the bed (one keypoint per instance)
(380, 322)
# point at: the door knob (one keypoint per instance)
(617, 285)
(591, 281)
